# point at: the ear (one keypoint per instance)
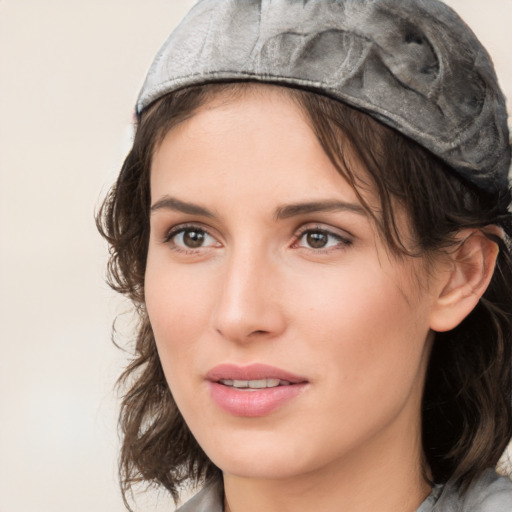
(468, 273)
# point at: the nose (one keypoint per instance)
(248, 306)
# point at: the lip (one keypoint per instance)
(255, 371)
(256, 402)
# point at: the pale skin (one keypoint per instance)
(260, 252)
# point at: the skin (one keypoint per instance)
(350, 317)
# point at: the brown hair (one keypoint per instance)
(467, 404)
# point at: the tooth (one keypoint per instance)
(258, 384)
(254, 384)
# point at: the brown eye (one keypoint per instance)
(193, 238)
(188, 238)
(317, 239)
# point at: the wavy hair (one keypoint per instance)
(467, 403)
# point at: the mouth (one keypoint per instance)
(254, 390)
(250, 385)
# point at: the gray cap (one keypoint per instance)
(413, 65)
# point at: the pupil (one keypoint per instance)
(317, 240)
(193, 239)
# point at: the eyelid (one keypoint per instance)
(343, 236)
(180, 228)
(177, 228)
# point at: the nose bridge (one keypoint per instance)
(247, 303)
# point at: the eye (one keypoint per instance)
(189, 238)
(318, 239)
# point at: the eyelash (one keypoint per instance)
(181, 229)
(341, 242)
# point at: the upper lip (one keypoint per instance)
(255, 371)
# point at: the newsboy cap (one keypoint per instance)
(413, 65)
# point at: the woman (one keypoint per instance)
(313, 226)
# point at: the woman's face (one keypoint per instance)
(291, 339)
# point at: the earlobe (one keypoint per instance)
(470, 269)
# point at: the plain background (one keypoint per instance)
(70, 71)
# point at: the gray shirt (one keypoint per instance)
(490, 493)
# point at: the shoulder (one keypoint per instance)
(490, 493)
(208, 499)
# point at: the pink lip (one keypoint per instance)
(254, 371)
(258, 402)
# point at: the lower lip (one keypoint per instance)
(252, 403)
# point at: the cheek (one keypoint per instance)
(366, 343)
(363, 303)
(175, 312)
(364, 330)
(176, 297)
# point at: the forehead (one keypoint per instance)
(255, 136)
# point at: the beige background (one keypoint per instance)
(70, 71)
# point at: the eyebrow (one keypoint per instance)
(171, 203)
(292, 210)
(282, 212)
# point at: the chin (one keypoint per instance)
(262, 468)
(254, 455)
